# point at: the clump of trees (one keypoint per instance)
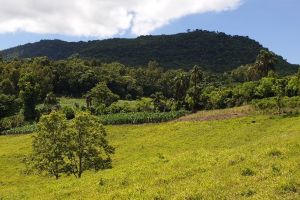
(70, 147)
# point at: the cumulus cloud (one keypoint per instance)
(100, 18)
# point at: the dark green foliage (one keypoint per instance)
(51, 99)
(29, 93)
(9, 105)
(215, 51)
(69, 112)
(11, 122)
(101, 94)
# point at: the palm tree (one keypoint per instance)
(196, 75)
(181, 84)
(265, 62)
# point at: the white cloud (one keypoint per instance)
(100, 18)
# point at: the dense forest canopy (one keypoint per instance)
(28, 82)
(214, 51)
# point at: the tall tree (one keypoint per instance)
(88, 147)
(29, 93)
(196, 76)
(50, 145)
(265, 62)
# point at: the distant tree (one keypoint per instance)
(193, 97)
(9, 105)
(293, 86)
(50, 145)
(181, 84)
(159, 102)
(51, 99)
(88, 147)
(29, 93)
(265, 62)
(7, 87)
(196, 76)
(101, 94)
(279, 90)
(265, 87)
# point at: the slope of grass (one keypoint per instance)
(253, 157)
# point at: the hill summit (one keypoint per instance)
(214, 51)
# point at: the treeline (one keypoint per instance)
(26, 83)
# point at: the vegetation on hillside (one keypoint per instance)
(215, 51)
(29, 89)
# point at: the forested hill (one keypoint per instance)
(213, 51)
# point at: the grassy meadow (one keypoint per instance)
(246, 157)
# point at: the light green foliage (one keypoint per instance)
(50, 145)
(293, 86)
(87, 147)
(69, 147)
(176, 160)
(288, 105)
(265, 87)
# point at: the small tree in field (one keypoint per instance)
(50, 145)
(279, 90)
(88, 147)
(70, 147)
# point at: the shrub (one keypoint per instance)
(11, 122)
(9, 105)
(269, 105)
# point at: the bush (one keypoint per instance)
(269, 105)
(9, 105)
(11, 122)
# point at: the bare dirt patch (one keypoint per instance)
(218, 114)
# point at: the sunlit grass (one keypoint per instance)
(254, 157)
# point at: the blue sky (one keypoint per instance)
(274, 23)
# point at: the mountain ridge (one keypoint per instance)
(214, 51)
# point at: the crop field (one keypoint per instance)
(246, 157)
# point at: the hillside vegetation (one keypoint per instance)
(214, 51)
(249, 157)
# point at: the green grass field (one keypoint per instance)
(70, 102)
(247, 157)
